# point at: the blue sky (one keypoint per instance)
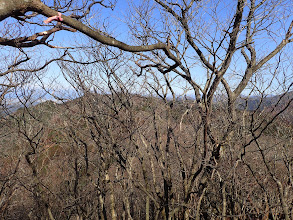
(115, 21)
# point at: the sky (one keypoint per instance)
(116, 21)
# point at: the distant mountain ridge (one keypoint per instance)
(260, 103)
(243, 103)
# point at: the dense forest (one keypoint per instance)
(130, 156)
(148, 109)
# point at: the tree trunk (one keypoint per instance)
(147, 208)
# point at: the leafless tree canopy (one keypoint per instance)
(189, 118)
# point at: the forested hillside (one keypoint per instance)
(101, 154)
(146, 109)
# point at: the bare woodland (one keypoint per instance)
(185, 112)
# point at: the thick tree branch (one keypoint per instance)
(230, 51)
(33, 40)
(20, 7)
(188, 34)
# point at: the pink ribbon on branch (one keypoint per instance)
(54, 18)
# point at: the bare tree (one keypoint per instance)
(180, 157)
(221, 40)
(24, 16)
